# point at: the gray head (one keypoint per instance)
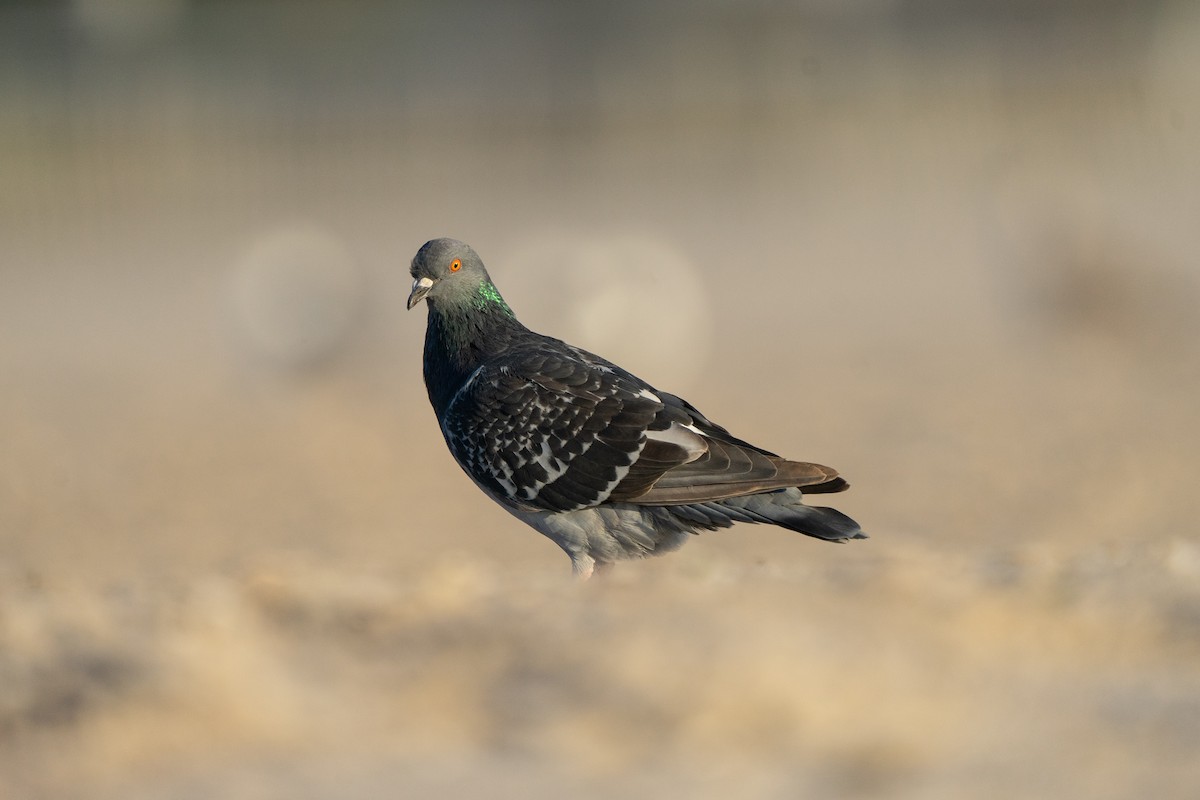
(448, 273)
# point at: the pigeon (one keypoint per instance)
(596, 459)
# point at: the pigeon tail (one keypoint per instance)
(820, 522)
(785, 509)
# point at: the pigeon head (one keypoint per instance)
(449, 275)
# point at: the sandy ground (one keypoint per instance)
(236, 560)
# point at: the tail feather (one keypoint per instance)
(785, 509)
(823, 523)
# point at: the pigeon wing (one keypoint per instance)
(721, 465)
(544, 429)
(555, 428)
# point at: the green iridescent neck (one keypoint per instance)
(462, 334)
(488, 297)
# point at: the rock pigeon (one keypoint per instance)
(601, 462)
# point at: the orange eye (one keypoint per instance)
(455, 265)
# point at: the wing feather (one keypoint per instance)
(556, 428)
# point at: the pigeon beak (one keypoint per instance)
(420, 288)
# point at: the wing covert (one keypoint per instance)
(547, 430)
(559, 431)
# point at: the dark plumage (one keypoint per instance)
(602, 463)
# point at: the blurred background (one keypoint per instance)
(950, 248)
